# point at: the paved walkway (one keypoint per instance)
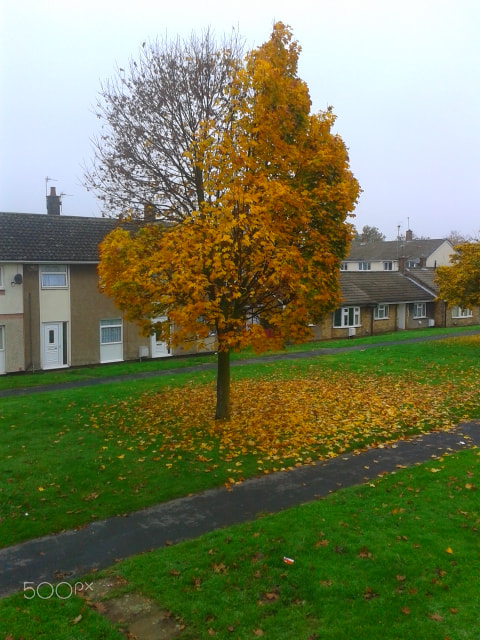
(295, 355)
(71, 554)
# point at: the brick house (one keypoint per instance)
(388, 286)
(52, 314)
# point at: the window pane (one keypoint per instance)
(54, 268)
(54, 280)
(53, 275)
(111, 334)
(111, 331)
(337, 318)
(420, 310)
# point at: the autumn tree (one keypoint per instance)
(257, 259)
(459, 283)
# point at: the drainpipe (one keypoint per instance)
(30, 338)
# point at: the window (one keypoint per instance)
(420, 310)
(344, 266)
(347, 317)
(54, 276)
(364, 266)
(111, 331)
(411, 264)
(380, 312)
(388, 266)
(1, 278)
(460, 312)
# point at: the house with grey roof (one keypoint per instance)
(390, 285)
(397, 255)
(52, 314)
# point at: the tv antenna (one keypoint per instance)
(47, 180)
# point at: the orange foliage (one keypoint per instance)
(285, 422)
(459, 284)
(259, 260)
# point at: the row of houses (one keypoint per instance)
(52, 314)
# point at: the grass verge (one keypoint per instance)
(395, 558)
(130, 368)
(71, 457)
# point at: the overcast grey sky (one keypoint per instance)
(403, 78)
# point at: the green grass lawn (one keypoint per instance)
(95, 372)
(396, 558)
(73, 456)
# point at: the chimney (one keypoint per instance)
(54, 203)
(408, 235)
(149, 214)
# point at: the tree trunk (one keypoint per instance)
(223, 386)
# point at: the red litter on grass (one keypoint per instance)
(288, 560)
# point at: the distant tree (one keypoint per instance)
(255, 258)
(459, 284)
(456, 237)
(368, 234)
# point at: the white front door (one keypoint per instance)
(2, 349)
(159, 348)
(52, 345)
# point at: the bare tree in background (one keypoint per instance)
(368, 234)
(152, 115)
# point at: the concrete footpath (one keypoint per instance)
(71, 554)
(262, 358)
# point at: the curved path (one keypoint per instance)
(71, 554)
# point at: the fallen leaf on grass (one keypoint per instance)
(369, 594)
(284, 421)
(436, 617)
(91, 496)
(77, 619)
(322, 543)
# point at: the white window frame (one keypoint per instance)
(111, 340)
(419, 310)
(381, 312)
(109, 325)
(3, 339)
(349, 317)
(2, 286)
(344, 266)
(388, 265)
(364, 265)
(54, 276)
(460, 312)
